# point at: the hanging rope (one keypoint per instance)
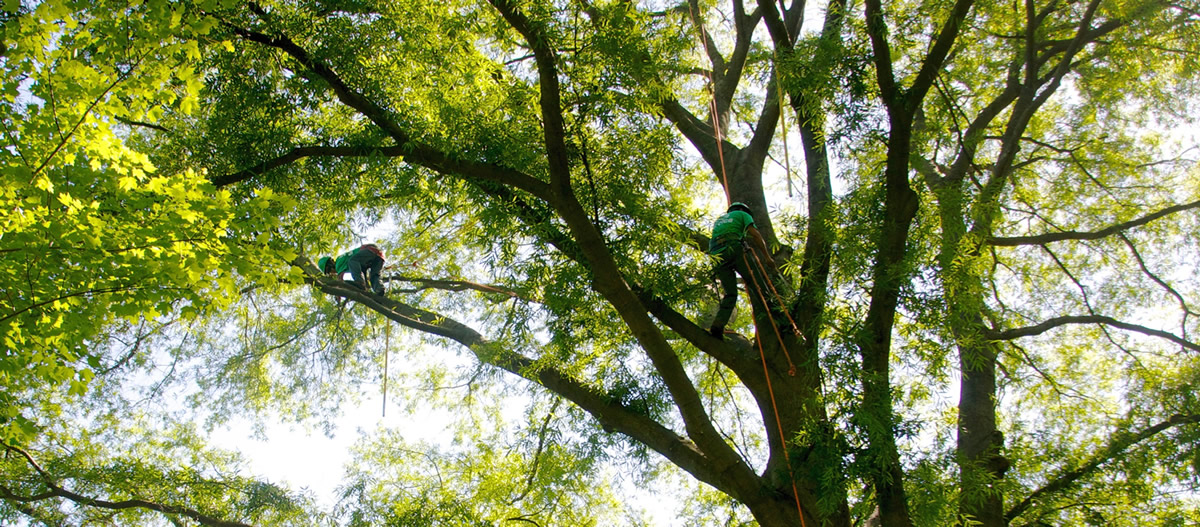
(387, 346)
(787, 159)
(712, 107)
(775, 292)
(770, 316)
(767, 376)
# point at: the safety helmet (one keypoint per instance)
(325, 264)
(737, 205)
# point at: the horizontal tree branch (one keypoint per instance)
(1056, 322)
(609, 411)
(413, 152)
(1041, 239)
(452, 285)
(1119, 445)
(302, 152)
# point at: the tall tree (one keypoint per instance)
(995, 226)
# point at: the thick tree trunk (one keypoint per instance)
(979, 440)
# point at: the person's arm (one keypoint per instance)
(759, 246)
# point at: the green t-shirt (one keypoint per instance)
(730, 227)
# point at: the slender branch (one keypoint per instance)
(1118, 446)
(83, 117)
(1042, 239)
(143, 124)
(302, 152)
(1183, 306)
(452, 285)
(37, 305)
(413, 151)
(537, 453)
(1038, 329)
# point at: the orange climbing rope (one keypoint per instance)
(716, 124)
(770, 316)
(767, 376)
(712, 107)
(774, 292)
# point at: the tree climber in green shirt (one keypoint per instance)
(356, 261)
(728, 243)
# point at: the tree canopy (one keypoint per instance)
(981, 219)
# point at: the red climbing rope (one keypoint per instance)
(770, 316)
(716, 124)
(712, 107)
(767, 375)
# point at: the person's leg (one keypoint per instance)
(356, 272)
(376, 267)
(729, 292)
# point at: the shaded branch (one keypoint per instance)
(608, 410)
(1042, 239)
(301, 152)
(413, 151)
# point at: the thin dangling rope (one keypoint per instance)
(387, 346)
(787, 159)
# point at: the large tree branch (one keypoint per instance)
(57, 491)
(1118, 446)
(698, 132)
(607, 409)
(1043, 239)
(744, 24)
(936, 57)
(1056, 322)
(550, 100)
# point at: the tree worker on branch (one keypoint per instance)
(357, 261)
(732, 234)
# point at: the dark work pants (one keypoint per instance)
(734, 261)
(366, 261)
